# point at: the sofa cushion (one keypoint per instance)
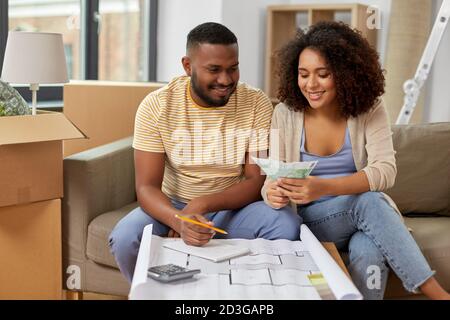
(98, 234)
(433, 237)
(423, 164)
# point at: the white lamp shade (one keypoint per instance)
(34, 58)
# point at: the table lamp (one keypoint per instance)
(34, 58)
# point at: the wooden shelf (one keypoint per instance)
(284, 20)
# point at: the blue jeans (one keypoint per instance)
(375, 237)
(257, 220)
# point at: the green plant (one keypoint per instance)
(2, 110)
(12, 102)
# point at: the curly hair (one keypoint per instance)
(353, 63)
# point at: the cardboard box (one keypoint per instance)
(31, 185)
(103, 110)
(30, 251)
(31, 157)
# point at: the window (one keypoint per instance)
(103, 39)
(62, 16)
(121, 40)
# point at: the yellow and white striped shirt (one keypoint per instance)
(205, 147)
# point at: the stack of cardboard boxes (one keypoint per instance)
(103, 110)
(31, 188)
(32, 149)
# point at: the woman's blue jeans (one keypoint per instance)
(375, 237)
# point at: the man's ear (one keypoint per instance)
(186, 61)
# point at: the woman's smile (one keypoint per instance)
(315, 95)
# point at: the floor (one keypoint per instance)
(96, 296)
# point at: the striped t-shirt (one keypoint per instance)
(205, 147)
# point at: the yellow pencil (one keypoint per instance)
(201, 224)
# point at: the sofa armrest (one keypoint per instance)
(96, 181)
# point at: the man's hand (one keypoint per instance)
(196, 206)
(275, 197)
(192, 234)
(173, 234)
(302, 191)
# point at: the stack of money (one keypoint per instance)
(275, 169)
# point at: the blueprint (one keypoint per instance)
(274, 269)
(262, 266)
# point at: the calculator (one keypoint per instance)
(170, 272)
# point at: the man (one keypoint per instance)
(193, 139)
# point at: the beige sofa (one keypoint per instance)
(99, 191)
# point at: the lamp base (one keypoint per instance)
(34, 87)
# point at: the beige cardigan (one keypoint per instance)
(370, 135)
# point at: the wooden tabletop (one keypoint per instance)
(332, 250)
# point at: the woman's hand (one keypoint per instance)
(275, 197)
(302, 191)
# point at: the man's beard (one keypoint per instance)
(204, 96)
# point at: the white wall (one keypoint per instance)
(437, 107)
(246, 18)
(175, 19)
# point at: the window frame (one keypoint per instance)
(89, 46)
(3, 29)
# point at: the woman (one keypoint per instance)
(330, 87)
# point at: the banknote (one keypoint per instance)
(275, 169)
